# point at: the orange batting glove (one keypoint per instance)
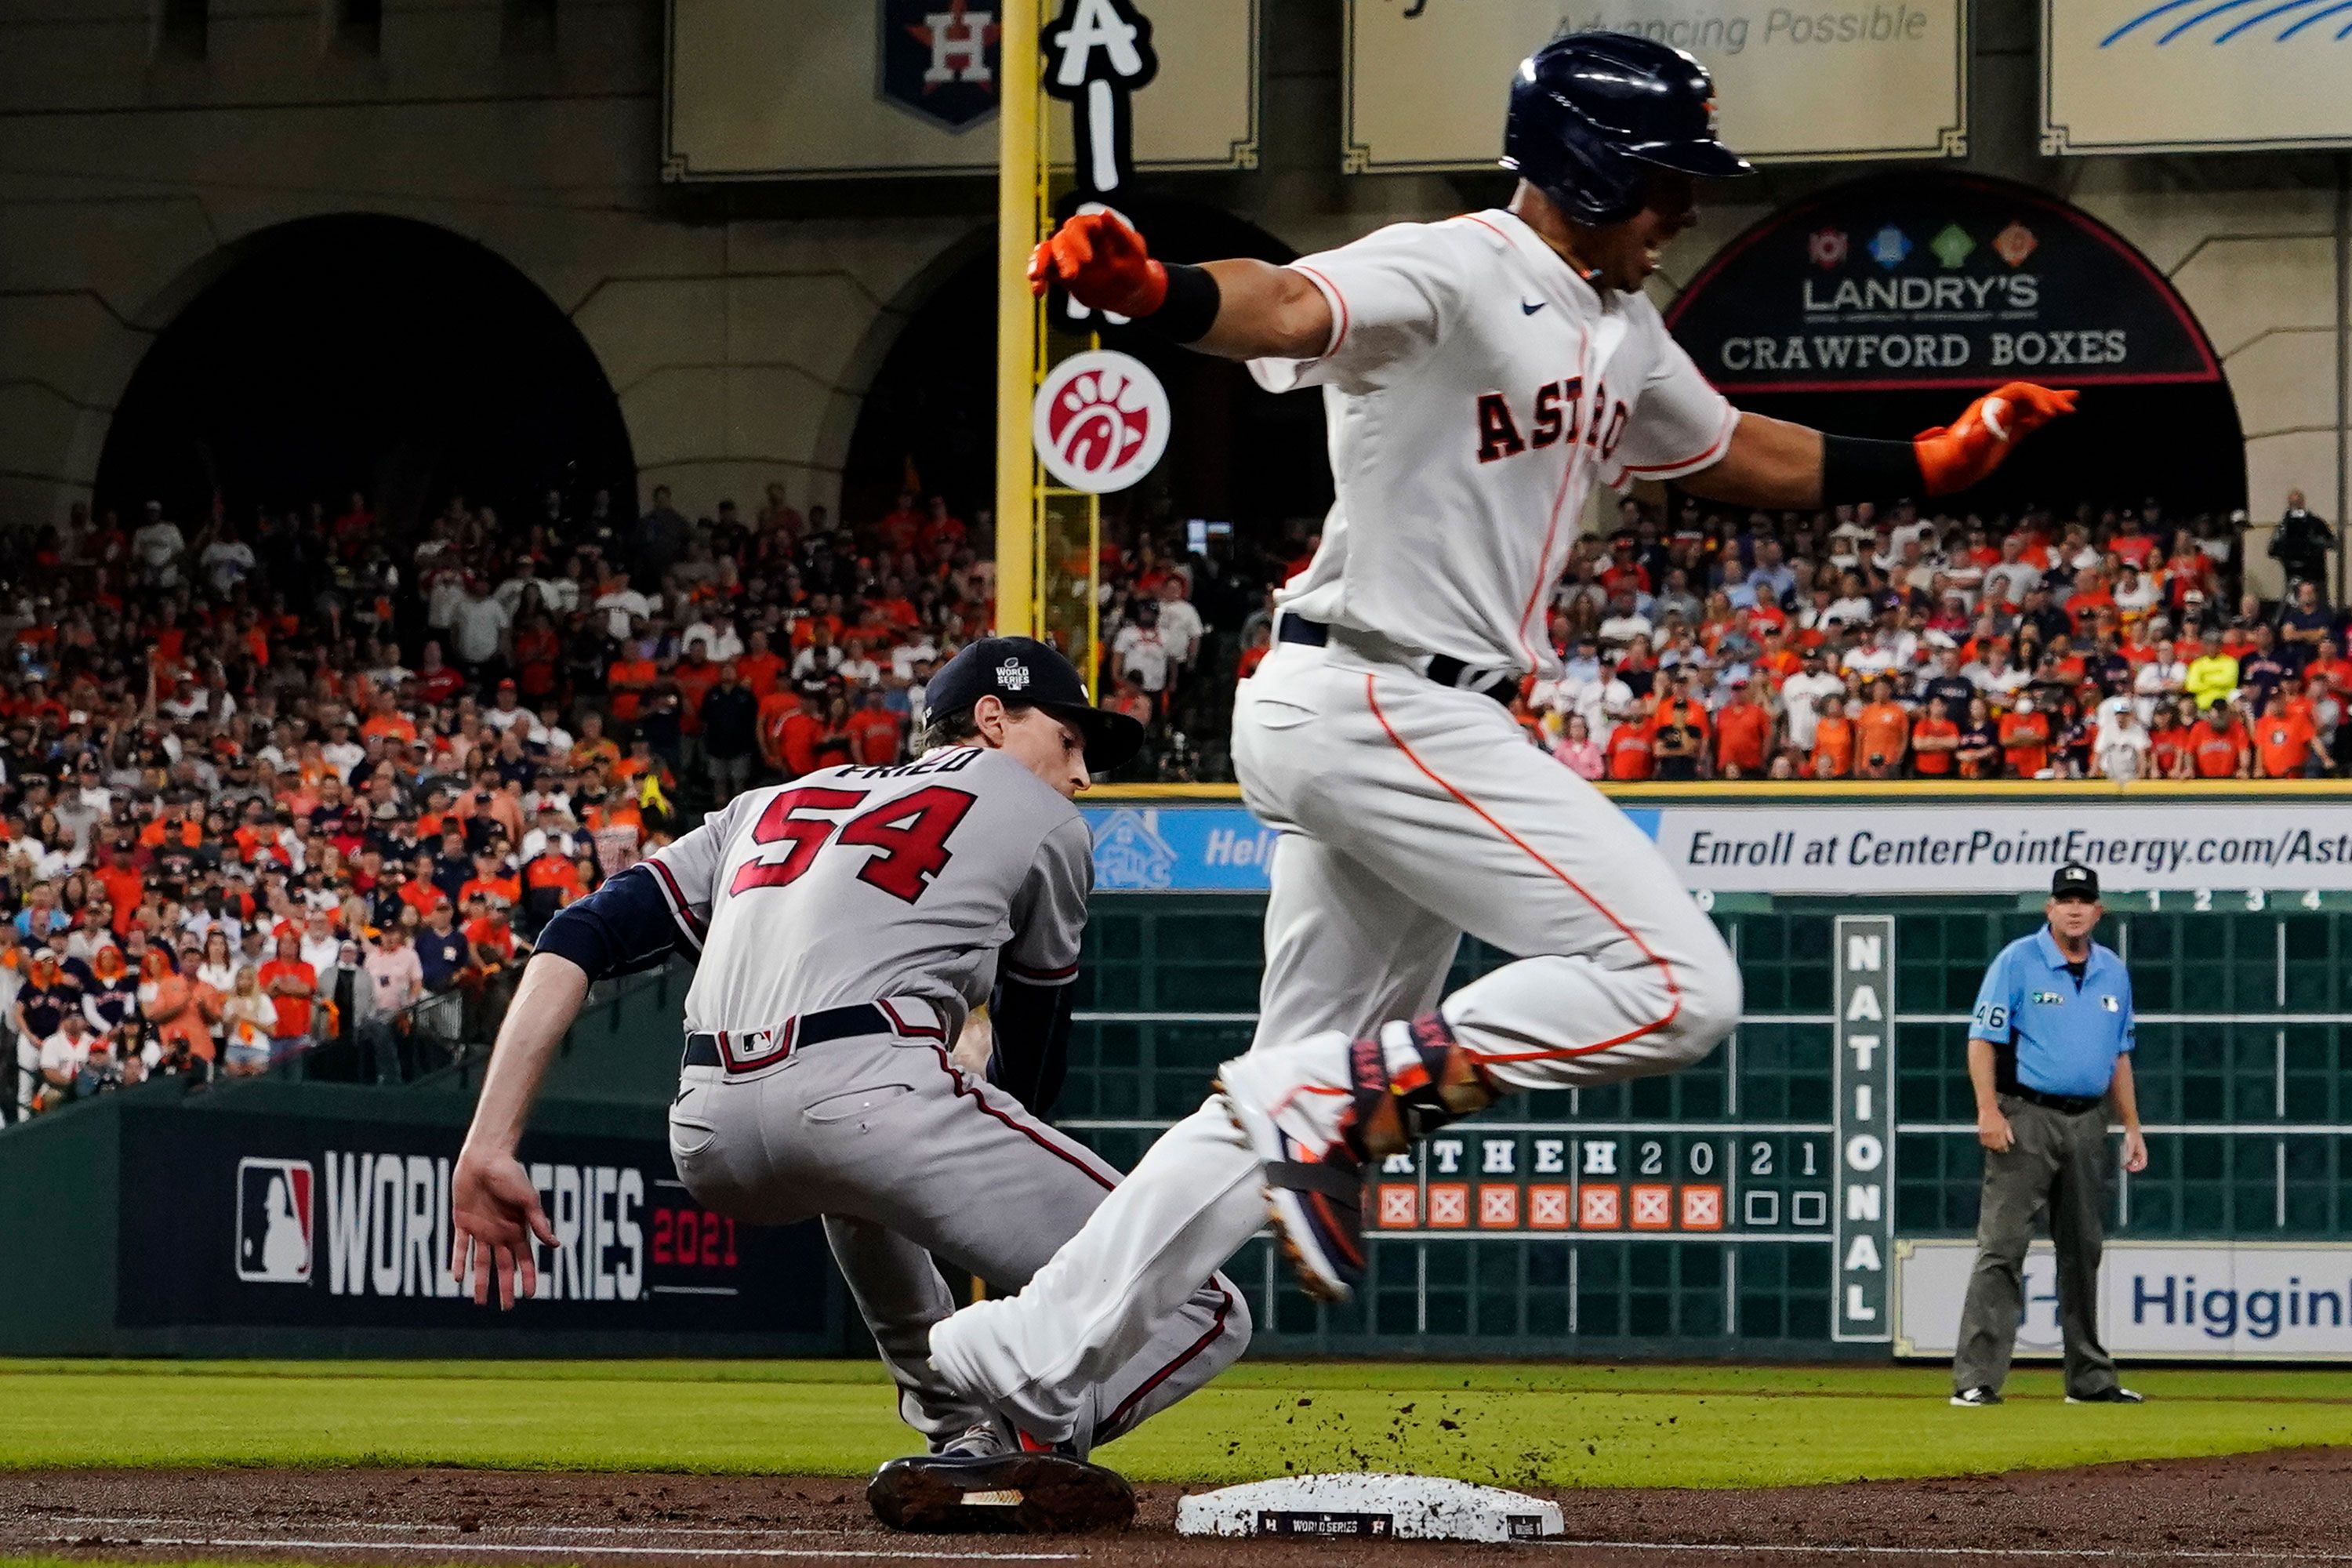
(1102, 264)
(1965, 452)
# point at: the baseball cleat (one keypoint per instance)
(979, 1440)
(1029, 1493)
(1319, 1113)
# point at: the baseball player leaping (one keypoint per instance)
(842, 927)
(1479, 375)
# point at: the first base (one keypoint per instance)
(1402, 1507)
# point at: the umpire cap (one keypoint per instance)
(1592, 113)
(2075, 880)
(1025, 673)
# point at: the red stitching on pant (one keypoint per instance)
(1216, 1326)
(964, 1090)
(1665, 969)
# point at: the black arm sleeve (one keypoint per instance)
(623, 926)
(1032, 1042)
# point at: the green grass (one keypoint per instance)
(1553, 1426)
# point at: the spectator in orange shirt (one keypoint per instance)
(761, 667)
(2218, 746)
(125, 885)
(1882, 730)
(491, 880)
(1743, 734)
(2025, 739)
(626, 682)
(694, 677)
(1935, 741)
(388, 721)
(2286, 744)
(1629, 749)
(1678, 732)
(1833, 740)
(873, 731)
(290, 984)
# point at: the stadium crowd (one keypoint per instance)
(1886, 644)
(303, 785)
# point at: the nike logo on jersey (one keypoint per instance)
(1557, 415)
(1528, 310)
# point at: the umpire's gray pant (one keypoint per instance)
(2060, 1161)
(906, 1157)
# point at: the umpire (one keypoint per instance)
(2049, 1046)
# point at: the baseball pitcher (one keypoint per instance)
(842, 926)
(1479, 376)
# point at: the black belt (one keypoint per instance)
(2066, 1104)
(739, 1051)
(1444, 669)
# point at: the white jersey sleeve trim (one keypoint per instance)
(1715, 449)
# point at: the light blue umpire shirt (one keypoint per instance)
(2065, 1035)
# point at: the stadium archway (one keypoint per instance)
(1238, 453)
(1878, 308)
(359, 352)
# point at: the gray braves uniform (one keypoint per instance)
(903, 888)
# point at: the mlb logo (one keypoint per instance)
(1600, 1209)
(1498, 1209)
(273, 1221)
(1399, 1207)
(1449, 1206)
(1703, 1208)
(1653, 1206)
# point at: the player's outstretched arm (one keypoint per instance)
(1772, 463)
(1237, 309)
(494, 1207)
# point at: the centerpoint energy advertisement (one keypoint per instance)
(2140, 846)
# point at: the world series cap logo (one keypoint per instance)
(1012, 675)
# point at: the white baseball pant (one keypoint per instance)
(1411, 812)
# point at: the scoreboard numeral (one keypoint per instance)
(1760, 1158)
(1653, 1158)
(2255, 899)
(1702, 1159)
(2310, 900)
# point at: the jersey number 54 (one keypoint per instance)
(909, 833)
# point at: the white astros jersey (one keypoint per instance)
(1475, 386)
(855, 883)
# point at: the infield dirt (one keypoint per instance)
(2284, 1506)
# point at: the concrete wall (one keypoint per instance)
(741, 327)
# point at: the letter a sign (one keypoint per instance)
(940, 59)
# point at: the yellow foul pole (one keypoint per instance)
(1016, 334)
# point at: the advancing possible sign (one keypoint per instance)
(2168, 76)
(233, 1220)
(1984, 847)
(1426, 81)
(754, 89)
(1934, 280)
(2186, 1300)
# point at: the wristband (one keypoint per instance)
(1856, 469)
(1191, 306)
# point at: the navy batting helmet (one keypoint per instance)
(1592, 113)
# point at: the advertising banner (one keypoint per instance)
(1934, 281)
(2165, 75)
(1984, 847)
(758, 90)
(2149, 850)
(1426, 81)
(2185, 1301)
(238, 1220)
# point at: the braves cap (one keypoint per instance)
(1024, 672)
(2075, 880)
